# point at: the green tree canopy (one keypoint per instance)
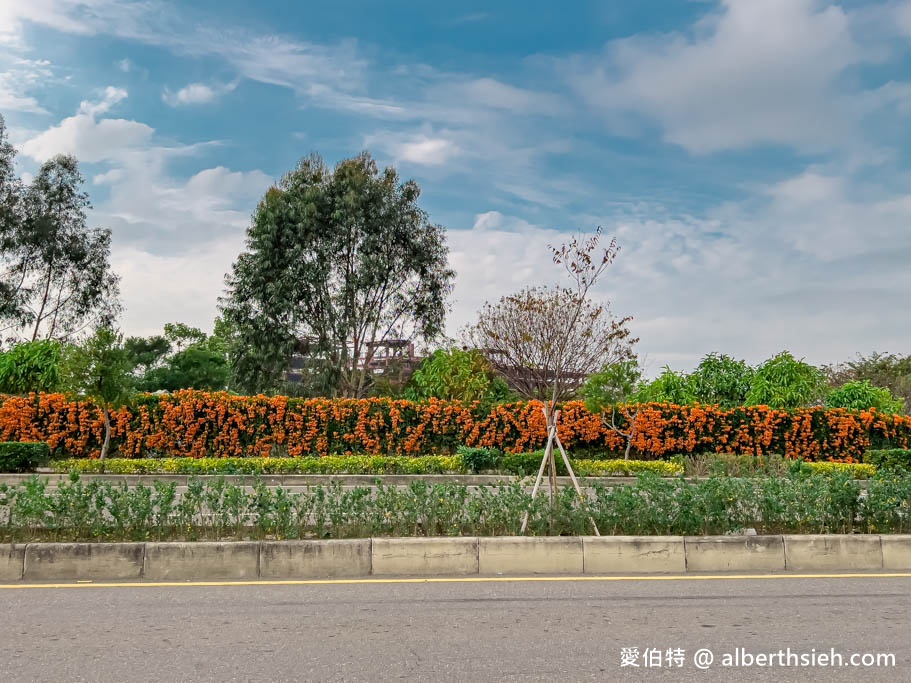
(199, 362)
(669, 387)
(785, 382)
(886, 370)
(147, 353)
(336, 261)
(34, 366)
(615, 383)
(456, 374)
(720, 380)
(862, 395)
(99, 369)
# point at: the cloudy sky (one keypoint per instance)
(751, 157)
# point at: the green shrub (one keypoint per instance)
(891, 458)
(526, 464)
(626, 468)
(519, 464)
(861, 395)
(854, 469)
(480, 459)
(214, 509)
(22, 456)
(732, 464)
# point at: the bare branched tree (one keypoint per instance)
(546, 341)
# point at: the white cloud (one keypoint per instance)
(751, 73)
(11, 100)
(494, 220)
(110, 97)
(108, 178)
(148, 208)
(89, 139)
(426, 151)
(196, 93)
(18, 77)
(157, 289)
(488, 92)
(80, 17)
(422, 148)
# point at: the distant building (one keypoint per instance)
(394, 359)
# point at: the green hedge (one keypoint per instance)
(18, 456)
(893, 458)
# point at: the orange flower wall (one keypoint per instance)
(198, 424)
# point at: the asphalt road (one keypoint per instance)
(466, 631)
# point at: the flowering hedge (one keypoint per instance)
(200, 424)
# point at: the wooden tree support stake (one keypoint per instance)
(549, 460)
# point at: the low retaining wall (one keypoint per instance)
(458, 556)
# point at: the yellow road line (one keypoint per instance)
(476, 579)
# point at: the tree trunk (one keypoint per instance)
(107, 433)
(47, 290)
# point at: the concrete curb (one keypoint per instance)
(455, 556)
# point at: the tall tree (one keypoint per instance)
(58, 279)
(337, 261)
(12, 297)
(147, 353)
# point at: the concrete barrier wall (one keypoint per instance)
(425, 556)
(633, 554)
(83, 561)
(735, 554)
(896, 552)
(832, 553)
(530, 555)
(290, 560)
(216, 561)
(12, 561)
(314, 559)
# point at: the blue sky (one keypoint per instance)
(751, 157)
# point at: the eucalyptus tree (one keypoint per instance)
(337, 262)
(55, 274)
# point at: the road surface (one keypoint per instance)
(472, 630)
